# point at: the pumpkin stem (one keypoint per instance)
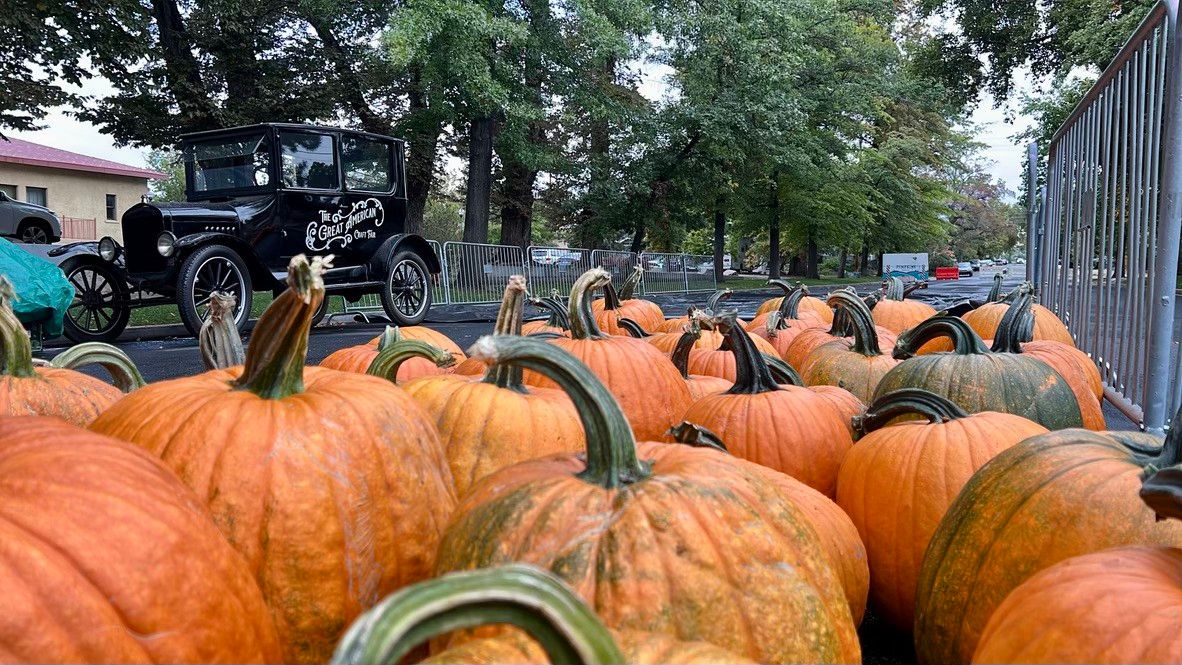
(509, 323)
(862, 323)
(126, 375)
(782, 285)
(782, 372)
(696, 436)
(894, 289)
(555, 309)
(1016, 326)
(633, 328)
(913, 287)
(16, 351)
(219, 341)
(533, 600)
(685, 344)
(391, 357)
(905, 402)
(274, 366)
(582, 320)
(717, 297)
(752, 376)
(965, 340)
(789, 308)
(995, 290)
(1013, 295)
(611, 298)
(1161, 484)
(628, 286)
(611, 447)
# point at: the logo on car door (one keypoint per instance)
(339, 228)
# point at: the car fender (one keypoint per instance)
(259, 274)
(397, 243)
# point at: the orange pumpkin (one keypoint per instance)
(1076, 366)
(985, 319)
(782, 326)
(858, 367)
(699, 385)
(645, 312)
(358, 358)
(333, 485)
(807, 303)
(616, 522)
(844, 401)
(788, 428)
(489, 422)
(57, 390)
(895, 313)
(789, 311)
(643, 379)
(1046, 499)
(108, 558)
(898, 481)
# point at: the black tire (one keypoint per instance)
(34, 232)
(318, 315)
(212, 268)
(406, 297)
(99, 312)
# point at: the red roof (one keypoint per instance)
(16, 151)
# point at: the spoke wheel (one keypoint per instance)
(35, 234)
(99, 311)
(218, 273)
(407, 296)
(208, 269)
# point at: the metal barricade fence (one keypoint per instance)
(372, 302)
(1109, 224)
(663, 273)
(699, 273)
(619, 264)
(477, 273)
(555, 268)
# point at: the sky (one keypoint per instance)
(1008, 159)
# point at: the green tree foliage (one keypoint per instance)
(172, 188)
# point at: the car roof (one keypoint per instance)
(285, 125)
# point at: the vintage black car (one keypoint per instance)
(255, 197)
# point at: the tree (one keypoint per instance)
(172, 188)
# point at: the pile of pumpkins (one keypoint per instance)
(603, 485)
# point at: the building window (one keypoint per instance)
(9, 191)
(38, 196)
(308, 161)
(112, 204)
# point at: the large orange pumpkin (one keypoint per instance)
(985, 319)
(645, 312)
(1046, 499)
(58, 390)
(333, 485)
(797, 352)
(789, 310)
(807, 303)
(358, 358)
(107, 558)
(895, 313)
(643, 379)
(489, 422)
(660, 538)
(897, 482)
(848, 406)
(788, 428)
(858, 367)
(781, 326)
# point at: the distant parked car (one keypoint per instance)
(1003, 262)
(975, 265)
(987, 263)
(965, 268)
(28, 222)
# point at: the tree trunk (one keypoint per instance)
(182, 70)
(841, 263)
(480, 143)
(588, 234)
(517, 211)
(719, 240)
(773, 234)
(864, 259)
(878, 268)
(811, 269)
(796, 264)
(422, 147)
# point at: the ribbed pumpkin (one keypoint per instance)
(898, 481)
(699, 385)
(609, 314)
(644, 380)
(789, 311)
(782, 326)
(985, 319)
(358, 358)
(895, 313)
(333, 485)
(666, 538)
(107, 558)
(556, 322)
(710, 339)
(1046, 499)
(645, 312)
(858, 367)
(797, 352)
(489, 422)
(788, 428)
(551, 625)
(976, 379)
(26, 390)
(807, 303)
(675, 325)
(1075, 365)
(843, 400)
(720, 362)
(836, 531)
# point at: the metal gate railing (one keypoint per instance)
(699, 273)
(477, 273)
(555, 268)
(1109, 221)
(619, 264)
(372, 302)
(663, 273)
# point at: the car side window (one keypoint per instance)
(366, 164)
(308, 160)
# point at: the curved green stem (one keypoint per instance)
(782, 372)
(274, 366)
(390, 358)
(995, 290)
(752, 375)
(861, 322)
(218, 340)
(894, 289)
(582, 320)
(965, 340)
(913, 287)
(696, 436)
(555, 309)
(533, 600)
(681, 352)
(16, 350)
(633, 328)
(906, 402)
(611, 299)
(628, 287)
(717, 297)
(126, 375)
(611, 447)
(790, 306)
(1016, 326)
(783, 285)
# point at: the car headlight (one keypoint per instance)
(108, 248)
(166, 243)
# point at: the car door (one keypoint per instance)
(7, 215)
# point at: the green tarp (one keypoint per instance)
(42, 292)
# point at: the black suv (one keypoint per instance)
(255, 197)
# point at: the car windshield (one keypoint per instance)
(238, 162)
